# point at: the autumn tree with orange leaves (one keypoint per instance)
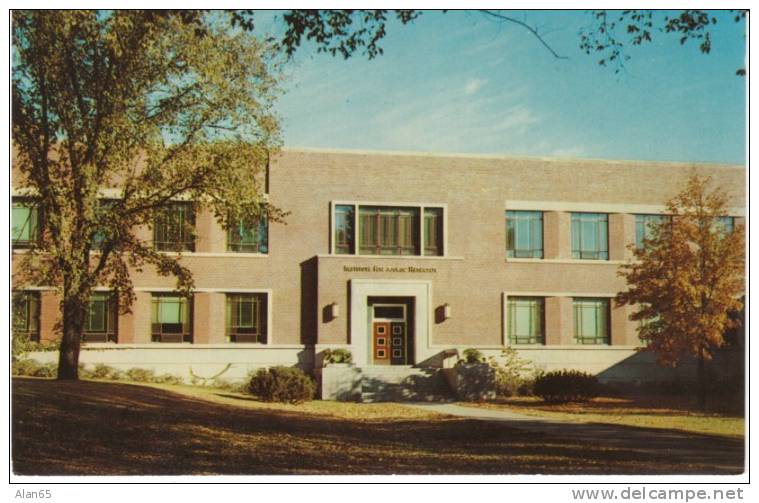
(687, 278)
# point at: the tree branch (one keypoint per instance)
(533, 31)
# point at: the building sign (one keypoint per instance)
(382, 268)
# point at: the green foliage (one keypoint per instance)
(337, 356)
(471, 356)
(510, 373)
(282, 384)
(102, 371)
(561, 386)
(27, 367)
(140, 374)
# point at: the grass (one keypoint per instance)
(99, 428)
(665, 412)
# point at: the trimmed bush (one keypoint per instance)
(140, 375)
(561, 386)
(472, 355)
(337, 356)
(102, 371)
(282, 384)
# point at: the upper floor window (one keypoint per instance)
(726, 224)
(103, 207)
(524, 317)
(174, 228)
(26, 314)
(644, 227)
(247, 318)
(25, 223)
(170, 318)
(249, 237)
(591, 320)
(100, 323)
(590, 236)
(388, 230)
(524, 234)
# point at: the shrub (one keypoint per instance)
(563, 386)
(510, 373)
(227, 385)
(472, 355)
(337, 356)
(102, 371)
(282, 384)
(140, 375)
(25, 367)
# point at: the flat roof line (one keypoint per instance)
(411, 153)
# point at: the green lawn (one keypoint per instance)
(667, 412)
(99, 428)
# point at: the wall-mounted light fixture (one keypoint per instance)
(334, 310)
(446, 311)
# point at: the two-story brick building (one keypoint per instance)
(397, 257)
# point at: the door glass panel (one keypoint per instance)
(395, 312)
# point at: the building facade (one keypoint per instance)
(399, 258)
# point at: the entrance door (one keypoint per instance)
(389, 334)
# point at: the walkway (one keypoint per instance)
(723, 452)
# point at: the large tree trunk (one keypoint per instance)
(73, 324)
(701, 378)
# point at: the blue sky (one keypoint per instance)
(458, 82)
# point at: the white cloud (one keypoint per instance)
(473, 85)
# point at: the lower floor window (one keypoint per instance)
(591, 320)
(525, 320)
(26, 315)
(171, 318)
(247, 319)
(100, 323)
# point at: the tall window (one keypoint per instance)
(388, 230)
(25, 225)
(103, 206)
(524, 234)
(173, 229)
(644, 225)
(100, 324)
(726, 224)
(247, 317)
(250, 237)
(26, 314)
(591, 320)
(590, 236)
(433, 231)
(525, 320)
(171, 318)
(344, 235)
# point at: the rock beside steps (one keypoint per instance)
(398, 383)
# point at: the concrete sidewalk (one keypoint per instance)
(725, 453)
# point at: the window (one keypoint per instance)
(726, 224)
(388, 230)
(644, 225)
(173, 230)
(26, 314)
(524, 317)
(590, 236)
(591, 320)
(25, 226)
(344, 218)
(171, 318)
(100, 323)
(524, 234)
(103, 206)
(247, 319)
(433, 232)
(249, 237)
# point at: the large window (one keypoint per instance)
(100, 323)
(25, 224)
(524, 234)
(171, 318)
(726, 224)
(173, 229)
(644, 226)
(247, 319)
(524, 318)
(591, 320)
(590, 236)
(388, 230)
(26, 314)
(250, 237)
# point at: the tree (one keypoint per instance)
(687, 279)
(151, 106)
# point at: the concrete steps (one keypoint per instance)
(398, 383)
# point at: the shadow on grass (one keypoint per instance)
(89, 428)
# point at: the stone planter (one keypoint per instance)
(339, 381)
(472, 382)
